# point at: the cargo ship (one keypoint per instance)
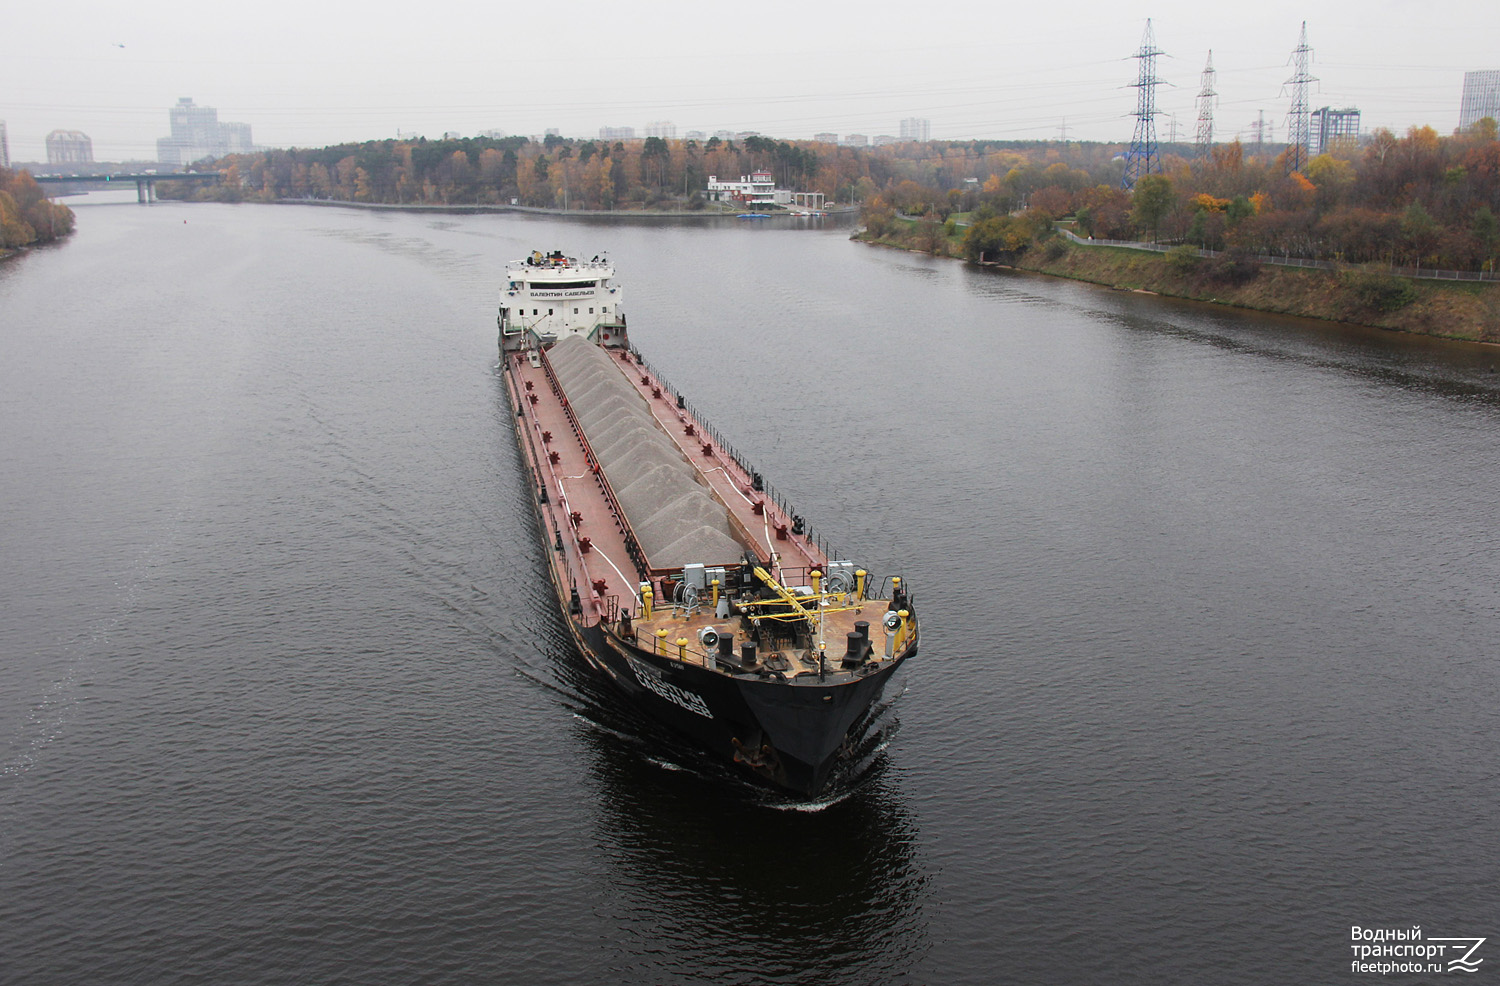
(683, 577)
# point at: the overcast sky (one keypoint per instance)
(311, 73)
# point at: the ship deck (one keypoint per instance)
(674, 633)
(579, 506)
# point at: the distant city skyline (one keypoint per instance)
(198, 133)
(1003, 74)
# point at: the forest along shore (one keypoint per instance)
(1463, 310)
(1365, 208)
(715, 213)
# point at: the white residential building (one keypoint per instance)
(69, 147)
(756, 189)
(197, 134)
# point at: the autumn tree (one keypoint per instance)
(26, 214)
(654, 158)
(1332, 177)
(1152, 200)
(14, 230)
(879, 216)
(996, 238)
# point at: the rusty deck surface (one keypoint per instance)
(579, 513)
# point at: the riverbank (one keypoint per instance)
(1468, 311)
(480, 208)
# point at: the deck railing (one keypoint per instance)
(812, 536)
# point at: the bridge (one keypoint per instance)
(145, 182)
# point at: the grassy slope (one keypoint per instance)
(1449, 309)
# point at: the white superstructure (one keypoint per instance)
(548, 297)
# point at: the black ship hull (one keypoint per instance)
(791, 733)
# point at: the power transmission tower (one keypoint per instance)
(1143, 158)
(1261, 131)
(1206, 97)
(1062, 131)
(1298, 129)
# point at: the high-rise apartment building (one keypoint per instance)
(665, 129)
(916, 128)
(1329, 128)
(197, 134)
(617, 133)
(69, 147)
(4, 147)
(1481, 98)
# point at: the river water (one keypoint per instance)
(1211, 605)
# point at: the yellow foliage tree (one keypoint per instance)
(14, 231)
